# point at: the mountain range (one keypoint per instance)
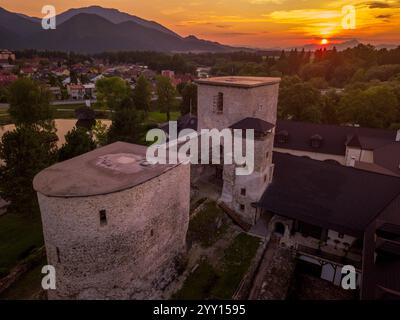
(96, 29)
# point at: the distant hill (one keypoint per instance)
(113, 15)
(339, 46)
(96, 29)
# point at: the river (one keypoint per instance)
(62, 126)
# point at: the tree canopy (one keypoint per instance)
(29, 103)
(111, 91)
(166, 95)
(142, 94)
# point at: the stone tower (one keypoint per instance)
(242, 103)
(114, 225)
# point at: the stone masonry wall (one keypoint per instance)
(133, 256)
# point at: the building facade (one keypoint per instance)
(242, 103)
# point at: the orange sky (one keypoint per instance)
(258, 23)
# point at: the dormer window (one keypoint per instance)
(282, 136)
(316, 141)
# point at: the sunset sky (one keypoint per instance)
(257, 23)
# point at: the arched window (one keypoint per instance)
(279, 229)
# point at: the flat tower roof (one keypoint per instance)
(241, 82)
(115, 167)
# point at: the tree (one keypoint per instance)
(25, 152)
(189, 99)
(142, 95)
(100, 132)
(330, 103)
(29, 103)
(374, 107)
(166, 95)
(299, 100)
(127, 123)
(77, 141)
(111, 91)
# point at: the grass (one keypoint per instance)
(208, 282)
(203, 228)
(199, 284)
(19, 235)
(237, 260)
(160, 117)
(4, 117)
(28, 286)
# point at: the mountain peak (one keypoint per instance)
(96, 29)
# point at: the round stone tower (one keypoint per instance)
(114, 225)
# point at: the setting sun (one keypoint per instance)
(324, 41)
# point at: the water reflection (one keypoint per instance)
(62, 126)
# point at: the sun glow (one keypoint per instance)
(324, 41)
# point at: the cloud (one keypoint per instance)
(384, 16)
(377, 5)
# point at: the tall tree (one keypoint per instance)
(189, 99)
(127, 123)
(29, 103)
(29, 148)
(299, 100)
(111, 91)
(77, 141)
(142, 95)
(166, 95)
(25, 152)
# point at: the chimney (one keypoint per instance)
(398, 136)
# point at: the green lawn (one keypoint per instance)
(19, 235)
(203, 228)
(160, 117)
(199, 284)
(236, 262)
(208, 282)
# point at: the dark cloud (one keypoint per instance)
(377, 5)
(231, 34)
(384, 16)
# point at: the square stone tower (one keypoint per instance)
(242, 103)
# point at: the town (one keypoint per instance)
(137, 163)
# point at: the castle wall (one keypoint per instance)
(239, 103)
(240, 192)
(134, 255)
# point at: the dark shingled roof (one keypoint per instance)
(258, 125)
(337, 197)
(335, 137)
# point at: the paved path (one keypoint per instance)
(263, 269)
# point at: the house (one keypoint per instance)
(331, 216)
(56, 92)
(6, 79)
(90, 90)
(168, 74)
(375, 150)
(76, 91)
(6, 56)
